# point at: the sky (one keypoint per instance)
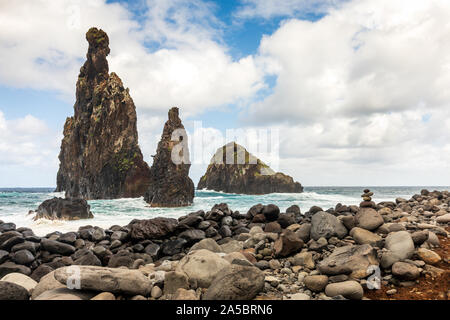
(356, 92)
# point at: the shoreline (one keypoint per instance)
(106, 212)
(287, 251)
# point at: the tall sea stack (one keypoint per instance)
(170, 185)
(100, 157)
(243, 173)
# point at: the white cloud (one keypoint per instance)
(361, 95)
(28, 149)
(188, 66)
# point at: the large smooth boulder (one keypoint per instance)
(399, 246)
(348, 289)
(122, 281)
(64, 209)
(236, 282)
(152, 228)
(47, 282)
(12, 291)
(202, 266)
(324, 224)
(21, 280)
(368, 218)
(353, 260)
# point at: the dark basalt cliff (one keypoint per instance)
(170, 185)
(247, 176)
(100, 157)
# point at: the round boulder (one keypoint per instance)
(236, 282)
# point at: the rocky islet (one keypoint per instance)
(234, 170)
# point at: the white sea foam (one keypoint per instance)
(14, 206)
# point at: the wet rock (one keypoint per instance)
(11, 242)
(156, 228)
(64, 209)
(173, 247)
(286, 219)
(10, 267)
(12, 291)
(23, 257)
(153, 250)
(40, 272)
(89, 259)
(3, 256)
(57, 247)
(5, 227)
(271, 212)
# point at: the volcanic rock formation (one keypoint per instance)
(100, 157)
(242, 172)
(170, 185)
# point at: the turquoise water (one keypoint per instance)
(15, 204)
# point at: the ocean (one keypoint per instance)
(16, 203)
